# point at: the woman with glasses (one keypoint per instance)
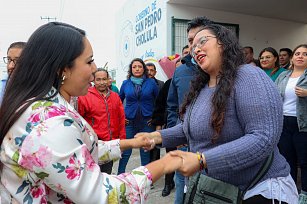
(269, 62)
(49, 153)
(232, 121)
(292, 86)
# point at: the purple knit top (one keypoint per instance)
(251, 131)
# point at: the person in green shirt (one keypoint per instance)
(269, 62)
(112, 86)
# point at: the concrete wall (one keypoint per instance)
(255, 31)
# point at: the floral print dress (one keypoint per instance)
(50, 155)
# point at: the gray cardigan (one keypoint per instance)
(301, 102)
(251, 131)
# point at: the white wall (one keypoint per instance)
(3, 72)
(254, 31)
(130, 31)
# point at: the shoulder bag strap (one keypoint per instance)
(262, 171)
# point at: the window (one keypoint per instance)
(179, 33)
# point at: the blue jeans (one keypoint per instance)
(179, 183)
(132, 128)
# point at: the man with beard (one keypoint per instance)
(103, 110)
(152, 71)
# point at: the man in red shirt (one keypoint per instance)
(103, 110)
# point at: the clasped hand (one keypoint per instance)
(186, 163)
(189, 161)
(153, 138)
(143, 142)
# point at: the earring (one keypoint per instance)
(63, 78)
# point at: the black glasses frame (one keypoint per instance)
(8, 60)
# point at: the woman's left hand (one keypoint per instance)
(154, 138)
(190, 162)
(143, 142)
(300, 92)
(137, 142)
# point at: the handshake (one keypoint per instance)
(148, 141)
(187, 163)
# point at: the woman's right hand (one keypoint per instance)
(126, 121)
(171, 163)
(300, 92)
(190, 162)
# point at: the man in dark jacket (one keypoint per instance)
(179, 87)
(152, 71)
(159, 116)
(285, 55)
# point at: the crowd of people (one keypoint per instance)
(222, 112)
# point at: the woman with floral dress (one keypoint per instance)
(49, 153)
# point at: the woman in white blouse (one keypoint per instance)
(292, 85)
(49, 153)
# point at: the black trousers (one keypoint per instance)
(293, 146)
(106, 168)
(154, 154)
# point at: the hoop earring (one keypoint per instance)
(63, 78)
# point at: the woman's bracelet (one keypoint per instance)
(200, 158)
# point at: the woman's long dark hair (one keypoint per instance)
(50, 49)
(232, 59)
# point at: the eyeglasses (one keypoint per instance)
(202, 41)
(266, 57)
(8, 60)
